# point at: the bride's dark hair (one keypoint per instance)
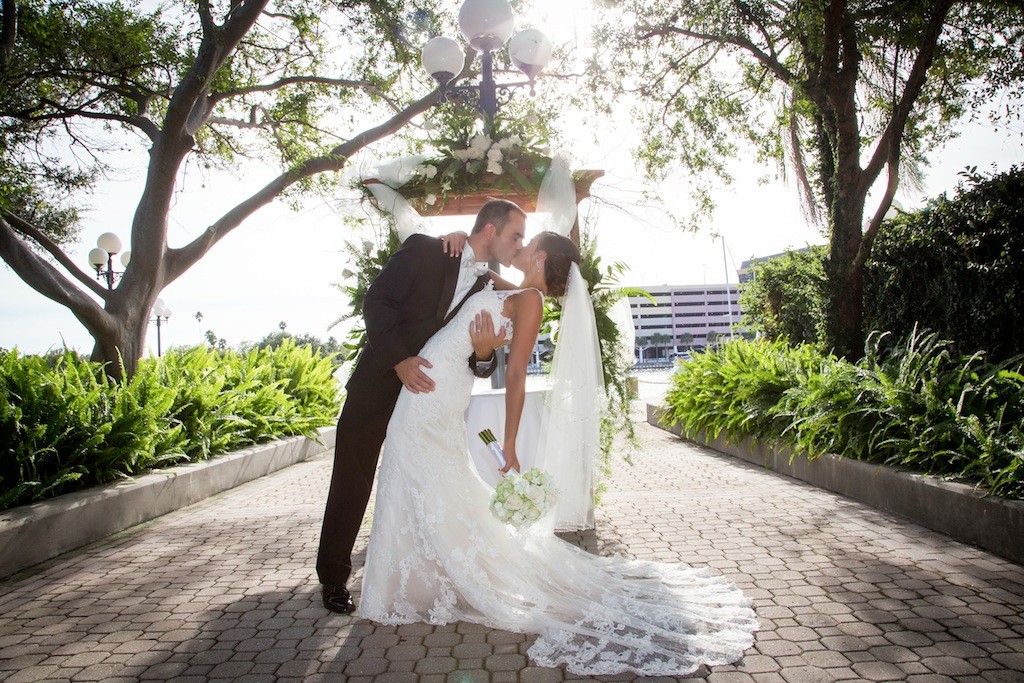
(562, 253)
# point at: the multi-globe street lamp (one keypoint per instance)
(160, 316)
(101, 258)
(487, 25)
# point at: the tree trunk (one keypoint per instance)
(845, 281)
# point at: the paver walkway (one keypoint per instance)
(225, 590)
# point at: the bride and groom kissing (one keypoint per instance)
(436, 555)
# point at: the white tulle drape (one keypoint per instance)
(570, 426)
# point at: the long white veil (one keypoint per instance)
(570, 426)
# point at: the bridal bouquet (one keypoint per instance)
(522, 499)
(519, 499)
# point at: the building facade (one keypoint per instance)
(683, 317)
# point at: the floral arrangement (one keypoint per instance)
(510, 156)
(522, 499)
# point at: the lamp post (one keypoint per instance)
(102, 258)
(486, 25)
(161, 314)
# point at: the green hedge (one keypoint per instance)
(914, 405)
(64, 425)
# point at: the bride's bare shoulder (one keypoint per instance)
(526, 303)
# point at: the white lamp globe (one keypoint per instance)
(167, 313)
(126, 258)
(109, 242)
(530, 51)
(97, 257)
(486, 24)
(442, 58)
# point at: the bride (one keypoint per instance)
(437, 555)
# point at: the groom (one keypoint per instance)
(419, 290)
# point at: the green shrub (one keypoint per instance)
(65, 426)
(911, 404)
(786, 298)
(955, 267)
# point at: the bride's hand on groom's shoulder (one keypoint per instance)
(412, 377)
(453, 242)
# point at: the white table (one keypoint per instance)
(487, 411)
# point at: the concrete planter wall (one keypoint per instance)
(995, 524)
(34, 533)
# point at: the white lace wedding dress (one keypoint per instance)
(437, 555)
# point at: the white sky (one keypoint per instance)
(279, 265)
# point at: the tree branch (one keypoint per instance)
(47, 280)
(292, 80)
(893, 133)
(26, 228)
(145, 125)
(876, 220)
(180, 260)
(772, 64)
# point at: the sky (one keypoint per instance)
(279, 266)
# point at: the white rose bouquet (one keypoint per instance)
(522, 499)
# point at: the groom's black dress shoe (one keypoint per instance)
(337, 598)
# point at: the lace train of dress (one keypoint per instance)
(437, 555)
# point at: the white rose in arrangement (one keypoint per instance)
(514, 502)
(460, 154)
(476, 153)
(495, 167)
(430, 171)
(430, 199)
(494, 154)
(532, 119)
(346, 273)
(367, 246)
(481, 142)
(504, 143)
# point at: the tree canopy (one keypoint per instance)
(847, 95)
(90, 86)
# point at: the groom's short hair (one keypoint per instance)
(496, 211)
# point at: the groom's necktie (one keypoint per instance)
(469, 271)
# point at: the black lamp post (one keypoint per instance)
(102, 258)
(486, 25)
(160, 316)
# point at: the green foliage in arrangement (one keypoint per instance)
(912, 404)
(64, 425)
(957, 267)
(367, 259)
(786, 298)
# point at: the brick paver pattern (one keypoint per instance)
(226, 590)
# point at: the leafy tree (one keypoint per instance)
(786, 298)
(851, 93)
(659, 340)
(685, 339)
(85, 83)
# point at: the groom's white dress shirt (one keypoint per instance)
(469, 271)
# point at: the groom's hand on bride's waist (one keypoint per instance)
(413, 378)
